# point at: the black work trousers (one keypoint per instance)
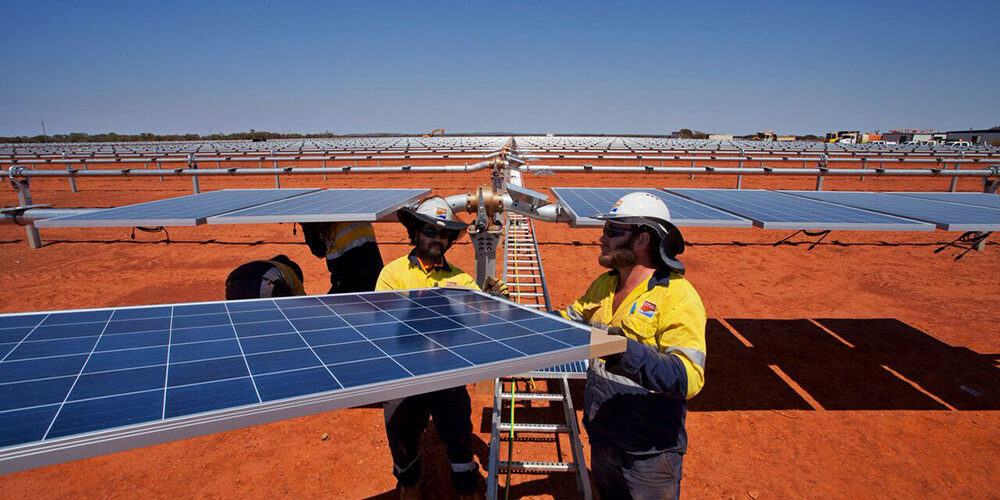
(356, 270)
(405, 421)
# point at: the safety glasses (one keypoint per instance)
(615, 231)
(433, 232)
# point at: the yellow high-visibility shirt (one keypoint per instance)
(343, 236)
(289, 276)
(665, 313)
(407, 272)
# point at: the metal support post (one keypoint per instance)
(954, 181)
(325, 177)
(277, 177)
(24, 199)
(739, 177)
(72, 179)
(159, 166)
(194, 178)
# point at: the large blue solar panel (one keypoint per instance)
(775, 210)
(78, 383)
(988, 200)
(582, 203)
(332, 205)
(945, 215)
(190, 210)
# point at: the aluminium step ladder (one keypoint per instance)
(525, 279)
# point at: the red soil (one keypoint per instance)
(852, 387)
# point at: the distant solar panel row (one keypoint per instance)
(75, 383)
(816, 210)
(240, 206)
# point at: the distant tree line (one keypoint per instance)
(252, 135)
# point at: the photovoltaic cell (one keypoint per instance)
(331, 205)
(776, 210)
(583, 203)
(190, 210)
(946, 216)
(78, 383)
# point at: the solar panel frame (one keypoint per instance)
(683, 211)
(772, 209)
(986, 200)
(576, 370)
(944, 215)
(165, 212)
(305, 208)
(491, 319)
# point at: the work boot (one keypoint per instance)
(411, 492)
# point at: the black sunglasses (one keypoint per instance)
(612, 231)
(433, 232)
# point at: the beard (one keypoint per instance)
(618, 258)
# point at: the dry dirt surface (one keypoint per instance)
(865, 366)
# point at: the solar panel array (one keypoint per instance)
(76, 383)
(334, 205)
(250, 206)
(810, 210)
(774, 210)
(583, 203)
(946, 216)
(190, 210)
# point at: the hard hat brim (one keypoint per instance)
(415, 221)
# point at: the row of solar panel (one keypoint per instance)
(244, 206)
(68, 373)
(811, 210)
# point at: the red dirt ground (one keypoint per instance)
(852, 387)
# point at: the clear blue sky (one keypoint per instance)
(541, 66)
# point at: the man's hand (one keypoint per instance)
(496, 287)
(316, 234)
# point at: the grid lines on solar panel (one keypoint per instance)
(66, 373)
(947, 216)
(586, 202)
(775, 210)
(331, 205)
(187, 210)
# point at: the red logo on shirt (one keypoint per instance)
(647, 309)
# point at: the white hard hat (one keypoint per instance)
(435, 211)
(647, 209)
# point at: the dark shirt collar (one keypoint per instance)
(659, 277)
(427, 269)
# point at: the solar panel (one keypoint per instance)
(774, 210)
(582, 203)
(988, 200)
(331, 205)
(79, 383)
(574, 370)
(190, 210)
(946, 216)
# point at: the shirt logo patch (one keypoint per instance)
(450, 283)
(647, 309)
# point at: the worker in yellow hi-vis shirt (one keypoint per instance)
(636, 402)
(433, 228)
(351, 252)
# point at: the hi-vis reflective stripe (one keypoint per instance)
(599, 369)
(348, 236)
(573, 315)
(697, 357)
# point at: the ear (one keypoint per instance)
(642, 240)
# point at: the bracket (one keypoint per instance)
(969, 241)
(822, 235)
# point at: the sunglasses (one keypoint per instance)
(433, 232)
(616, 231)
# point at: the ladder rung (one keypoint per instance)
(537, 466)
(537, 428)
(541, 396)
(526, 294)
(524, 276)
(514, 284)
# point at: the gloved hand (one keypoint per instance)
(316, 234)
(496, 287)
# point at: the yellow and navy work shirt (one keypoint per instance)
(407, 272)
(344, 236)
(282, 272)
(638, 402)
